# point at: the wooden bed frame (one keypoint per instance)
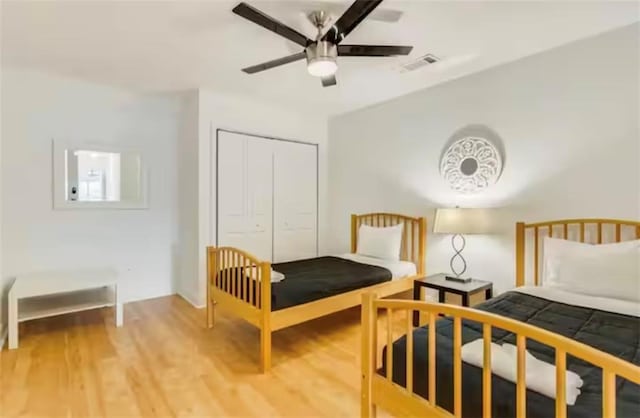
(253, 302)
(402, 401)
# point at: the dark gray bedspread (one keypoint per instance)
(322, 277)
(313, 279)
(613, 333)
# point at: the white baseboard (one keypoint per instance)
(3, 335)
(191, 302)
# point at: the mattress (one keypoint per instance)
(321, 277)
(612, 332)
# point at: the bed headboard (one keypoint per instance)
(414, 234)
(595, 231)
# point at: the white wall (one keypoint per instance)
(158, 250)
(141, 244)
(2, 285)
(216, 111)
(188, 250)
(569, 122)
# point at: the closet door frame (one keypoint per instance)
(270, 138)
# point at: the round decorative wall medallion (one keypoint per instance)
(471, 164)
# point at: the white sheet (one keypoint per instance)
(398, 268)
(623, 307)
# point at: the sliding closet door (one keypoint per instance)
(245, 193)
(295, 201)
(260, 197)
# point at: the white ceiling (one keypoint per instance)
(177, 45)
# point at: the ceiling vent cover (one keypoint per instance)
(423, 61)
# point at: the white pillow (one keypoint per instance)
(607, 270)
(380, 242)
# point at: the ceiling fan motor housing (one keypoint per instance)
(321, 50)
(321, 58)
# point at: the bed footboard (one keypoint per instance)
(241, 284)
(382, 391)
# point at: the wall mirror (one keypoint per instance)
(90, 176)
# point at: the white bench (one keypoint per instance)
(41, 295)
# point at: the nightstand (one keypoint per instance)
(443, 286)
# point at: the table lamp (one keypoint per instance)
(459, 221)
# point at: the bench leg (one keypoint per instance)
(13, 322)
(119, 314)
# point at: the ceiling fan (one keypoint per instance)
(322, 52)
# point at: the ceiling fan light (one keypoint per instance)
(322, 67)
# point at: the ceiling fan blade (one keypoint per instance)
(355, 14)
(386, 15)
(329, 81)
(373, 50)
(335, 8)
(257, 17)
(275, 63)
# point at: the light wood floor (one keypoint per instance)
(164, 362)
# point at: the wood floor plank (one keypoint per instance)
(165, 362)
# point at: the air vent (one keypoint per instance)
(419, 63)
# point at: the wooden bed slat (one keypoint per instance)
(432, 358)
(409, 360)
(457, 367)
(247, 280)
(536, 258)
(220, 271)
(521, 384)
(561, 383)
(389, 345)
(225, 272)
(355, 224)
(256, 283)
(486, 371)
(234, 273)
(243, 287)
(215, 269)
(599, 233)
(229, 271)
(252, 292)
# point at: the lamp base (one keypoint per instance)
(458, 279)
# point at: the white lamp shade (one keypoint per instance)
(462, 221)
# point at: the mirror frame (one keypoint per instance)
(59, 190)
